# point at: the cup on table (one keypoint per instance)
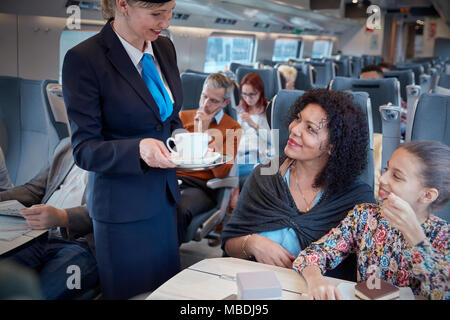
(189, 145)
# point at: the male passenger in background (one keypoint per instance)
(56, 201)
(196, 197)
(5, 183)
(371, 72)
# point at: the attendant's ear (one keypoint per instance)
(429, 195)
(122, 6)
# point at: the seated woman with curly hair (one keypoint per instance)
(400, 239)
(316, 185)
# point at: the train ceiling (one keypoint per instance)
(315, 17)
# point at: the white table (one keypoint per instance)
(8, 245)
(214, 279)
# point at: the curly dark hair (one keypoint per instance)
(348, 134)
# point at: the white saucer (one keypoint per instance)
(207, 159)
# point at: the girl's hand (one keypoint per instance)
(400, 215)
(318, 286)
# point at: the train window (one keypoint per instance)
(70, 39)
(322, 49)
(286, 49)
(223, 49)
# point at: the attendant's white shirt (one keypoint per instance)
(70, 192)
(136, 57)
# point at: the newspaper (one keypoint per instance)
(12, 223)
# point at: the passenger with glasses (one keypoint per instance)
(255, 145)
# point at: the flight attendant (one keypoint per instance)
(123, 93)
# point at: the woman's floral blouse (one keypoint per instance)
(382, 248)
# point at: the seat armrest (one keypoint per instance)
(228, 182)
(390, 119)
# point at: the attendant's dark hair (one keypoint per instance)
(348, 136)
(435, 158)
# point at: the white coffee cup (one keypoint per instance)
(190, 145)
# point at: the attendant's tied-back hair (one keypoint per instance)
(435, 158)
(348, 134)
(108, 7)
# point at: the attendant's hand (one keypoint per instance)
(400, 215)
(43, 216)
(245, 116)
(318, 286)
(202, 119)
(155, 153)
(269, 252)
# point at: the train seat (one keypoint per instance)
(325, 73)
(431, 121)
(54, 101)
(305, 78)
(30, 136)
(405, 77)
(356, 66)
(233, 66)
(381, 91)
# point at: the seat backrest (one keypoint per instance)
(431, 121)
(31, 136)
(270, 77)
(406, 77)
(233, 66)
(356, 67)
(192, 86)
(367, 60)
(416, 68)
(304, 79)
(381, 91)
(377, 60)
(344, 68)
(282, 104)
(195, 71)
(53, 100)
(325, 73)
(444, 80)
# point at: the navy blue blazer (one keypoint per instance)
(110, 110)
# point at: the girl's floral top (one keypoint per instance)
(382, 248)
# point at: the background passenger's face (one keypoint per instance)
(212, 100)
(402, 177)
(250, 95)
(147, 23)
(308, 135)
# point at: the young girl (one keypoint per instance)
(400, 238)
